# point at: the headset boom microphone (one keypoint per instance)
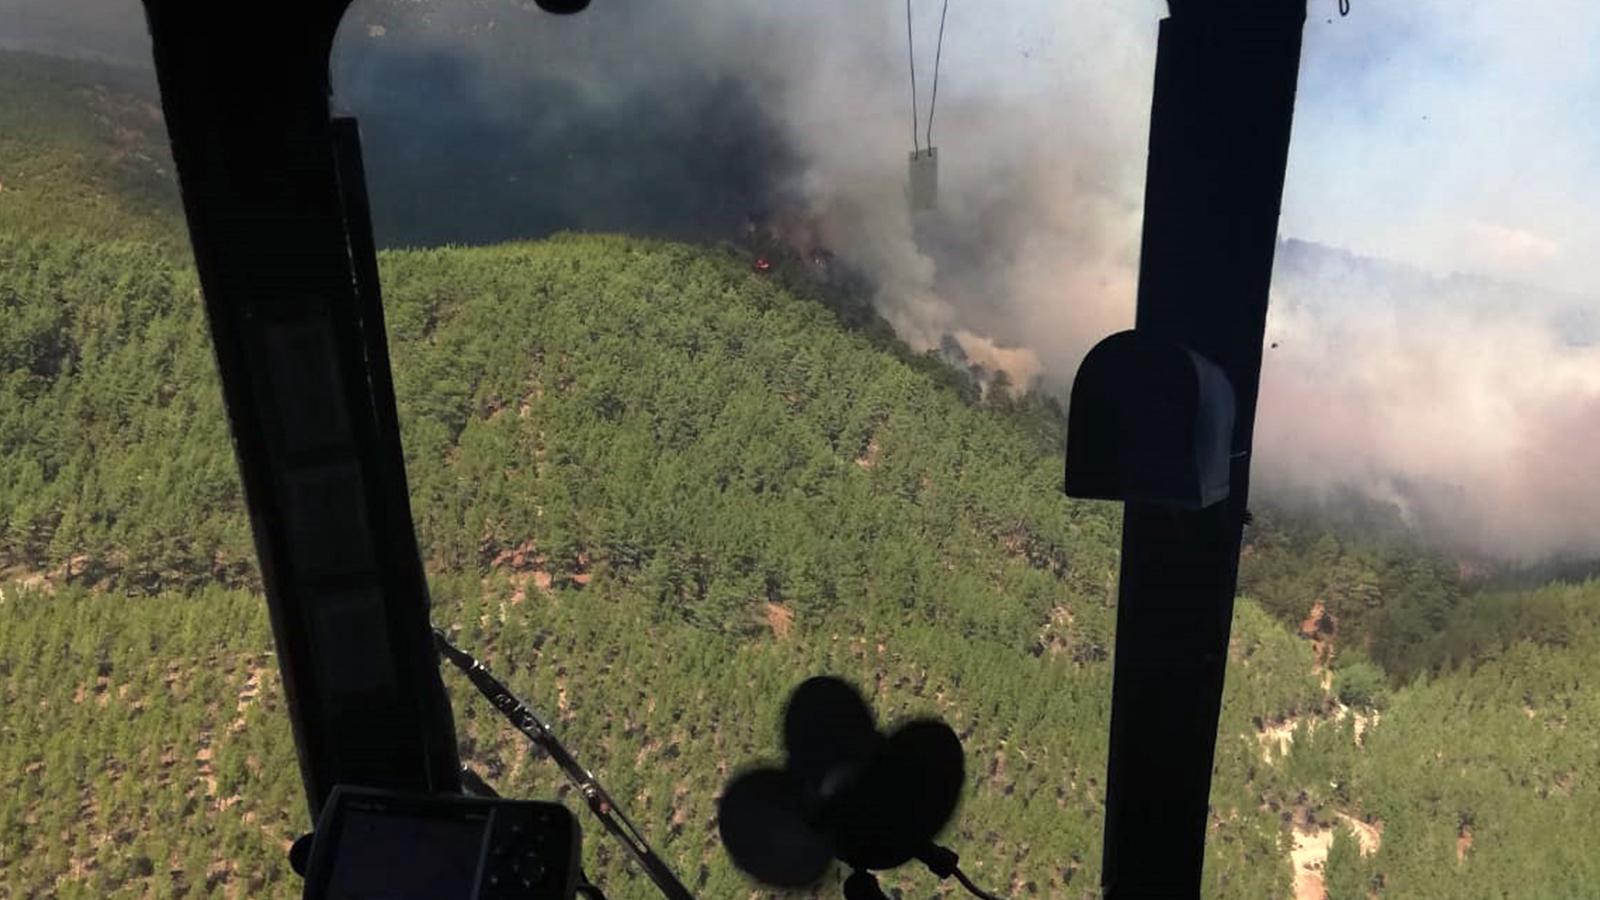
(847, 791)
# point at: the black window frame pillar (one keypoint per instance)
(1226, 74)
(273, 194)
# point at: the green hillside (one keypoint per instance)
(656, 489)
(83, 150)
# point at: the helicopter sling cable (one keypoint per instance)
(600, 803)
(924, 163)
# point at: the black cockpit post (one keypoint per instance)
(285, 260)
(1226, 72)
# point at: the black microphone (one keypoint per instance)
(847, 792)
(563, 7)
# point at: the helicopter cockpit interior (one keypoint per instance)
(652, 475)
(276, 200)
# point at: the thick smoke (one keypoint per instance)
(1459, 138)
(1462, 405)
(1447, 137)
(486, 120)
(456, 156)
(1469, 407)
(105, 30)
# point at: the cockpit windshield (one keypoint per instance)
(733, 344)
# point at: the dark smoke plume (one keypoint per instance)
(455, 158)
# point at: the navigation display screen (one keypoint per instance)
(390, 857)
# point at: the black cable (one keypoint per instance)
(600, 802)
(861, 885)
(911, 55)
(475, 785)
(973, 889)
(588, 889)
(943, 862)
(937, 53)
(1344, 7)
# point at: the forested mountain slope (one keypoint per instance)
(83, 150)
(656, 489)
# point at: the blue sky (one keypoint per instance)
(1456, 135)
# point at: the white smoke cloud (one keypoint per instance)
(1040, 126)
(1462, 402)
(1468, 405)
(1457, 138)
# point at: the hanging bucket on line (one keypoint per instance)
(924, 179)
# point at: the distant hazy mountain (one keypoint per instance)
(1319, 277)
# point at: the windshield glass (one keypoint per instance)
(729, 351)
(714, 400)
(1427, 518)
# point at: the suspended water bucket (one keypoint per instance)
(924, 179)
